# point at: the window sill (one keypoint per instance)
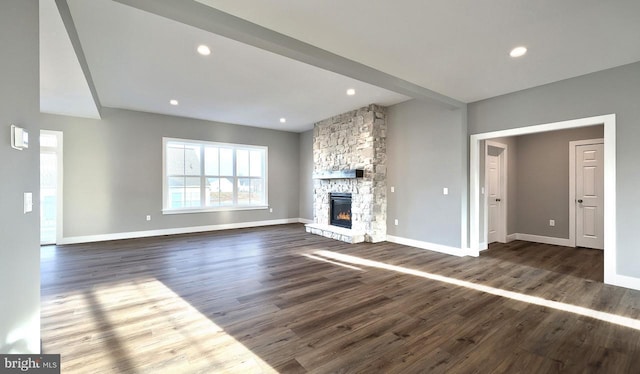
(214, 209)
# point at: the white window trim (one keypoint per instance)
(206, 209)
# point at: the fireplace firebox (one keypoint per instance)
(340, 214)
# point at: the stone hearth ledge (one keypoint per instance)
(335, 232)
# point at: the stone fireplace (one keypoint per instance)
(349, 155)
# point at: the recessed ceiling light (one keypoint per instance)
(351, 92)
(204, 50)
(518, 52)
(283, 120)
(173, 102)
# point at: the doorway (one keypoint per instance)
(50, 187)
(610, 249)
(496, 191)
(586, 193)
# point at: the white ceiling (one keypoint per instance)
(458, 48)
(141, 61)
(63, 88)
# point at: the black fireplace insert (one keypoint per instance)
(340, 214)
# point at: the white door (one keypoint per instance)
(590, 196)
(494, 175)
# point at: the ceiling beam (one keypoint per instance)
(69, 25)
(215, 21)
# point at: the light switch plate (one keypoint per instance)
(28, 202)
(445, 191)
(393, 189)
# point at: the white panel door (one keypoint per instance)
(590, 196)
(494, 198)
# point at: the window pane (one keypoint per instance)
(244, 191)
(242, 162)
(192, 192)
(192, 160)
(176, 192)
(211, 161)
(203, 174)
(226, 191)
(256, 163)
(175, 159)
(257, 192)
(226, 161)
(212, 191)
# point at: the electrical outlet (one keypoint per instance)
(445, 191)
(396, 222)
(393, 189)
(552, 222)
(270, 210)
(148, 218)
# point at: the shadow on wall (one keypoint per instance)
(19, 346)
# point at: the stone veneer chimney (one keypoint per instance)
(353, 140)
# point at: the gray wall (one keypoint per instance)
(611, 91)
(425, 144)
(306, 174)
(113, 171)
(542, 175)
(19, 233)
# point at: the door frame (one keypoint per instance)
(572, 184)
(610, 249)
(503, 160)
(60, 182)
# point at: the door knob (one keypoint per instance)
(580, 201)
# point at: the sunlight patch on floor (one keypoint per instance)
(164, 332)
(332, 262)
(603, 316)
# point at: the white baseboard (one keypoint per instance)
(540, 239)
(484, 246)
(173, 231)
(305, 221)
(623, 281)
(429, 246)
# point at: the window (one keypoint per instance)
(206, 176)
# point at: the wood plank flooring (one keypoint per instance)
(277, 299)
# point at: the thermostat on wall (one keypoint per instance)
(19, 138)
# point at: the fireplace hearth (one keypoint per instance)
(340, 214)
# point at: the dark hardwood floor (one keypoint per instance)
(277, 299)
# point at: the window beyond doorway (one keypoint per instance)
(50, 186)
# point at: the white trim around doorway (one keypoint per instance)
(610, 248)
